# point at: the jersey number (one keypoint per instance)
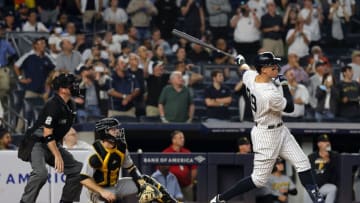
(252, 100)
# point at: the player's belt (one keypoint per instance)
(271, 126)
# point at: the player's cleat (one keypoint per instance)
(216, 199)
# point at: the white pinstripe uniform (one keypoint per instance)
(270, 138)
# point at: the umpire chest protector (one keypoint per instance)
(57, 115)
(107, 163)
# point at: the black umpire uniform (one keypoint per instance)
(57, 117)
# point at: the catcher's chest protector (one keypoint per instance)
(107, 163)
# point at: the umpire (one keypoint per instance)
(55, 120)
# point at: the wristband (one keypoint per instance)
(49, 138)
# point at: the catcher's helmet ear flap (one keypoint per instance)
(67, 80)
(103, 126)
(265, 59)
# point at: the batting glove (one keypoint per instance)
(282, 80)
(239, 60)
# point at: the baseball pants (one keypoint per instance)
(268, 144)
(41, 155)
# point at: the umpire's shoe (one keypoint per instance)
(216, 199)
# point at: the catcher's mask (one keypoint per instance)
(109, 129)
(67, 80)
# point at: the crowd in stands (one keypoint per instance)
(129, 64)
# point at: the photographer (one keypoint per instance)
(88, 106)
(246, 26)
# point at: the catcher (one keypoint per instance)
(100, 173)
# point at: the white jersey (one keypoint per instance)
(267, 101)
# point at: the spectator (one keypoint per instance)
(33, 68)
(125, 49)
(327, 97)
(316, 55)
(69, 58)
(80, 44)
(298, 40)
(155, 83)
(312, 15)
(340, 15)
(258, 6)
(168, 13)
(293, 64)
(325, 161)
(22, 14)
(109, 44)
(244, 146)
(158, 55)
(63, 20)
(314, 82)
(138, 74)
(300, 96)
(6, 52)
(247, 35)
(355, 65)
(141, 12)
(5, 140)
(218, 11)
(193, 13)
(133, 39)
(32, 25)
(349, 95)
(290, 17)
(88, 105)
(181, 43)
(271, 27)
(71, 141)
(48, 10)
(123, 90)
(10, 24)
(185, 174)
(90, 10)
(71, 8)
(114, 15)
(54, 41)
(217, 98)
(169, 181)
(190, 78)
(120, 34)
(219, 58)
(181, 55)
(98, 55)
(198, 55)
(279, 185)
(70, 32)
(175, 102)
(156, 39)
(143, 57)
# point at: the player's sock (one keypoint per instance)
(63, 201)
(240, 187)
(308, 181)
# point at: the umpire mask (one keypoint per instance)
(67, 80)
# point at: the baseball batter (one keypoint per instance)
(270, 137)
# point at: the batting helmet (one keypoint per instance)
(102, 130)
(67, 80)
(265, 59)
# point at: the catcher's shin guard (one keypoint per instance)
(166, 197)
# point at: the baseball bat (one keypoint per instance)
(198, 41)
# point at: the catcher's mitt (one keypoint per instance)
(148, 193)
